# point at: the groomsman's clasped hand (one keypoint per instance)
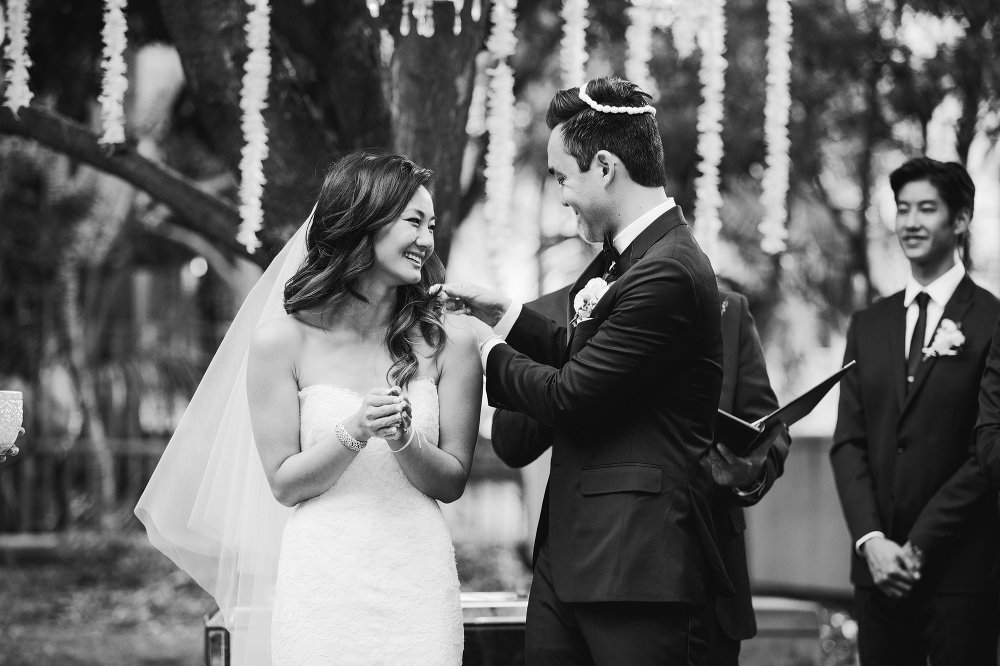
(894, 568)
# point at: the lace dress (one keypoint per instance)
(367, 571)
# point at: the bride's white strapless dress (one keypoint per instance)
(367, 570)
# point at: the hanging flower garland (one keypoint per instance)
(253, 101)
(639, 39)
(708, 199)
(779, 101)
(115, 82)
(18, 94)
(573, 47)
(423, 13)
(502, 148)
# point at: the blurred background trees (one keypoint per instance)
(120, 272)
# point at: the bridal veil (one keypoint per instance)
(208, 506)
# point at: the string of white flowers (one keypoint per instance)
(253, 101)
(423, 12)
(18, 94)
(573, 47)
(688, 20)
(779, 101)
(639, 41)
(712, 73)
(115, 82)
(502, 147)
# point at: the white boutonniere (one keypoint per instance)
(948, 340)
(586, 299)
(725, 304)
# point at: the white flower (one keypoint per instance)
(586, 299)
(17, 94)
(115, 82)
(948, 339)
(711, 37)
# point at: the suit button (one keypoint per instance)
(900, 450)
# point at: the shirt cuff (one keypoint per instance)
(866, 538)
(506, 322)
(752, 491)
(487, 347)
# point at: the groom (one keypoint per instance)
(626, 566)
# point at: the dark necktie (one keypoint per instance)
(917, 339)
(611, 257)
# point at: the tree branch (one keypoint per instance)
(198, 209)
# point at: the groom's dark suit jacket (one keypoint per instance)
(746, 392)
(902, 459)
(631, 395)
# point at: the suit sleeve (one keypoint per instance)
(956, 501)
(640, 340)
(849, 454)
(518, 439)
(753, 399)
(538, 337)
(987, 433)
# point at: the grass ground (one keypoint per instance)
(118, 603)
(121, 603)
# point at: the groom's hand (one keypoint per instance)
(465, 298)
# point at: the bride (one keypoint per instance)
(363, 403)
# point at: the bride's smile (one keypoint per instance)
(403, 247)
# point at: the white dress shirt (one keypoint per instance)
(940, 292)
(621, 243)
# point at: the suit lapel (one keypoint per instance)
(654, 232)
(896, 355)
(593, 270)
(955, 310)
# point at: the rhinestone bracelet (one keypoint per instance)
(346, 439)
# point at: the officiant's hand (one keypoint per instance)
(465, 298)
(889, 567)
(732, 471)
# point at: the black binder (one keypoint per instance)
(740, 437)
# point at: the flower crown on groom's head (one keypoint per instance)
(605, 108)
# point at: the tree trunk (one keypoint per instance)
(970, 82)
(210, 38)
(101, 462)
(433, 80)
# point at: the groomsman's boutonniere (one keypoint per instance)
(948, 340)
(586, 299)
(725, 304)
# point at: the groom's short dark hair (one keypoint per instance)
(634, 139)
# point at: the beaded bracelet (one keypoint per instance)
(413, 433)
(346, 439)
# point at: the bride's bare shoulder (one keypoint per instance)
(281, 335)
(461, 337)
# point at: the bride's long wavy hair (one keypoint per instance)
(362, 194)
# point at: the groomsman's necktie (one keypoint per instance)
(917, 339)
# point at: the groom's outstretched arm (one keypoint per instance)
(651, 330)
(518, 439)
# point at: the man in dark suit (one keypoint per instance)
(739, 482)
(628, 568)
(917, 504)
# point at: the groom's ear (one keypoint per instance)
(608, 165)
